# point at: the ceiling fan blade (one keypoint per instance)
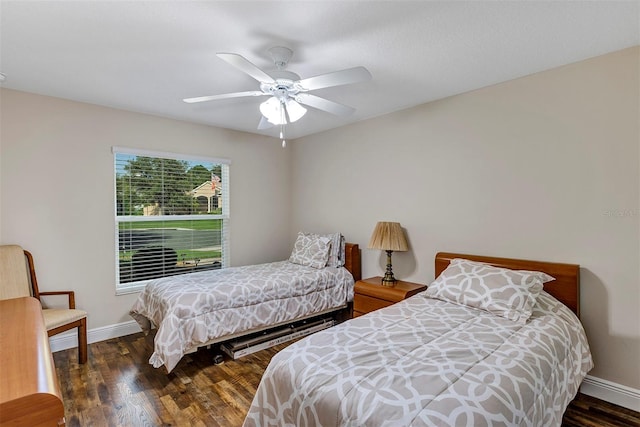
(225, 96)
(337, 78)
(264, 123)
(324, 104)
(243, 64)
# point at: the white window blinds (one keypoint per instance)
(171, 215)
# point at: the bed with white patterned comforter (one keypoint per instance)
(427, 362)
(193, 309)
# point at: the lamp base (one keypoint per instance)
(388, 279)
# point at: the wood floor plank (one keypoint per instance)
(118, 387)
(178, 417)
(588, 411)
(136, 408)
(95, 416)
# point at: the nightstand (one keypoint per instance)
(370, 295)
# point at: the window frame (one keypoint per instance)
(137, 286)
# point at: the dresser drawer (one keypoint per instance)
(365, 304)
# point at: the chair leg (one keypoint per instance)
(82, 341)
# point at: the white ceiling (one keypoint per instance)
(146, 56)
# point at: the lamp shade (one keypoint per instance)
(388, 236)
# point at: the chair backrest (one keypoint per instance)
(14, 273)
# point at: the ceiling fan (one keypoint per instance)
(286, 90)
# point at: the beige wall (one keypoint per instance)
(543, 167)
(56, 190)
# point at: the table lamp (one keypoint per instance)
(389, 237)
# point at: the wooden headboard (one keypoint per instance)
(566, 287)
(352, 260)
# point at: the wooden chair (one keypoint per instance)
(18, 279)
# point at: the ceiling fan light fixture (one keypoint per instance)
(272, 110)
(295, 110)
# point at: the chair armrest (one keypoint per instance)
(72, 296)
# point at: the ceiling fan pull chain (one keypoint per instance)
(282, 123)
(284, 141)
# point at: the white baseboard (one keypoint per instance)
(611, 392)
(608, 391)
(70, 339)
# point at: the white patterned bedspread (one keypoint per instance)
(426, 362)
(192, 309)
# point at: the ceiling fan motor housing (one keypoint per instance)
(281, 88)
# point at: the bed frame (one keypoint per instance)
(352, 263)
(566, 287)
(352, 260)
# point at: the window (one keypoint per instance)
(171, 214)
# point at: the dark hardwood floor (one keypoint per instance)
(117, 387)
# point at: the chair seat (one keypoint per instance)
(55, 317)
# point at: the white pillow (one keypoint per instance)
(311, 250)
(501, 291)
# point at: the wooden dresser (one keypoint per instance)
(29, 391)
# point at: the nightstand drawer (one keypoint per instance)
(365, 304)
